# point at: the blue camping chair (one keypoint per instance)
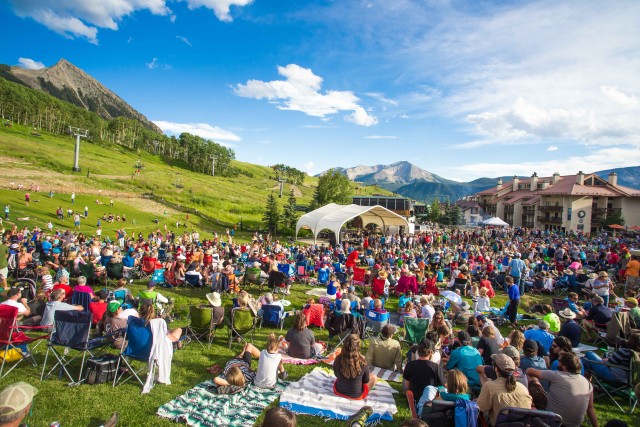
(323, 276)
(287, 269)
(81, 298)
(374, 322)
(272, 314)
(192, 280)
(123, 297)
(158, 276)
(162, 254)
(104, 260)
(337, 267)
(71, 331)
(139, 339)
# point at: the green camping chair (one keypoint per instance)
(252, 276)
(415, 330)
(114, 272)
(242, 323)
(201, 327)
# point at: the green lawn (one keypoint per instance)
(87, 405)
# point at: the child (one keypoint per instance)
(408, 311)
(404, 299)
(484, 303)
(269, 363)
(47, 280)
(365, 303)
(457, 388)
(332, 289)
(474, 293)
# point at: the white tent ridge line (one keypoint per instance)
(333, 217)
(495, 221)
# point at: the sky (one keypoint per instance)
(463, 89)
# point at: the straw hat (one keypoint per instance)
(382, 274)
(568, 272)
(592, 275)
(567, 314)
(214, 299)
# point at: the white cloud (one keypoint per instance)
(600, 159)
(153, 64)
(552, 148)
(381, 137)
(300, 91)
(204, 130)
(380, 97)
(30, 64)
(184, 40)
(83, 18)
(308, 167)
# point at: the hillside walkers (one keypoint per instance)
(73, 198)
(27, 199)
(86, 211)
(76, 221)
(7, 208)
(69, 212)
(111, 202)
(59, 213)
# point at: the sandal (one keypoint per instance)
(214, 370)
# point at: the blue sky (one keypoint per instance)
(464, 89)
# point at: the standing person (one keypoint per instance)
(73, 198)
(514, 300)
(632, 273)
(353, 379)
(76, 221)
(516, 270)
(27, 199)
(86, 211)
(7, 208)
(601, 286)
(570, 394)
(4, 264)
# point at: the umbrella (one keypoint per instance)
(452, 296)
(616, 226)
(635, 228)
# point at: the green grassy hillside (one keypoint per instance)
(107, 171)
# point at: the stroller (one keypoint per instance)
(499, 316)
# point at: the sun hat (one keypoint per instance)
(214, 299)
(16, 397)
(632, 301)
(465, 305)
(113, 306)
(382, 274)
(567, 313)
(568, 272)
(592, 275)
(503, 362)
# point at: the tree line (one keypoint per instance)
(31, 107)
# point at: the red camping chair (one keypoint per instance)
(359, 276)
(170, 278)
(378, 287)
(13, 339)
(149, 265)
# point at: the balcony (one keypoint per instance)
(551, 220)
(599, 211)
(550, 208)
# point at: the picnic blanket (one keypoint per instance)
(381, 373)
(320, 292)
(202, 406)
(295, 361)
(313, 395)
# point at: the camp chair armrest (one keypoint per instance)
(610, 365)
(412, 404)
(30, 328)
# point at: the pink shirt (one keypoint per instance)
(83, 288)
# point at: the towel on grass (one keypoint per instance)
(320, 292)
(381, 373)
(313, 395)
(202, 406)
(295, 361)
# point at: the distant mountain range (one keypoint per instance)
(411, 181)
(69, 83)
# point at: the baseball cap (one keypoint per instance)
(503, 362)
(544, 325)
(511, 351)
(113, 306)
(16, 397)
(632, 301)
(530, 347)
(151, 284)
(481, 318)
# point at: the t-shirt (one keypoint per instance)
(488, 346)
(571, 330)
(421, 373)
(494, 397)
(536, 362)
(50, 310)
(466, 358)
(97, 309)
(351, 387)
(427, 312)
(300, 343)
(267, 374)
(83, 288)
(244, 367)
(599, 314)
(568, 396)
(635, 315)
(633, 268)
(543, 338)
(17, 304)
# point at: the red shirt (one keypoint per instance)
(67, 290)
(97, 309)
(487, 284)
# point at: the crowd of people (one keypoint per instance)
(430, 275)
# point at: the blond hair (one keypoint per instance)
(457, 382)
(234, 376)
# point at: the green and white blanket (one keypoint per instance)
(203, 406)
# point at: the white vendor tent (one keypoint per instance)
(495, 221)
(332, 217)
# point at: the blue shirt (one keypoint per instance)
(544, 338)
(466, 358)
(535, 362)
(46, 246)
(514, 293)
(516, 267)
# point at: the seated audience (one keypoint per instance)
(353, 379)
(384, 351)
(301, 341)
(541, 335)
(56, 303)
(422, 372)
(465, 358)
(598, 316)
(620, 359)
(570, 327)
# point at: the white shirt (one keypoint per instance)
(427, 312)
(12, 303)
(125, 314)
(267, 374)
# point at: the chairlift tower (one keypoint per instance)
(213, 165)
(78, 133)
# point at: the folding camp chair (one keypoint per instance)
(302, 275)
(158, 276)
(71, 331)
(201, 326)
(436, 412)
(460, 284)
(162, 254)
(88, 270)
(192, 280)
(171, 280)
(123, 297)
(242, 323)
(323, 276)
(148, 267)
(272, 314)
(510, 417)
(342, 277)
(612, 388)
(105, 260)
(341, 325)
(14, 339)
(359, 276)
(374, 322)
(559, 304)
(378, 287)
(314, 314)
(114, 272)
(415, 330)
(139, 339)
(252, 275)
(81, 298)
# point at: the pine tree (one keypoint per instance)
(456, 215)
(271, 215)
(290, 216)
(434, 210)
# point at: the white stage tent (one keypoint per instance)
(495, 221)
(333, 217)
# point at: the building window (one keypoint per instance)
(569, 214)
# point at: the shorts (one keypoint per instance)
(4, 273)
